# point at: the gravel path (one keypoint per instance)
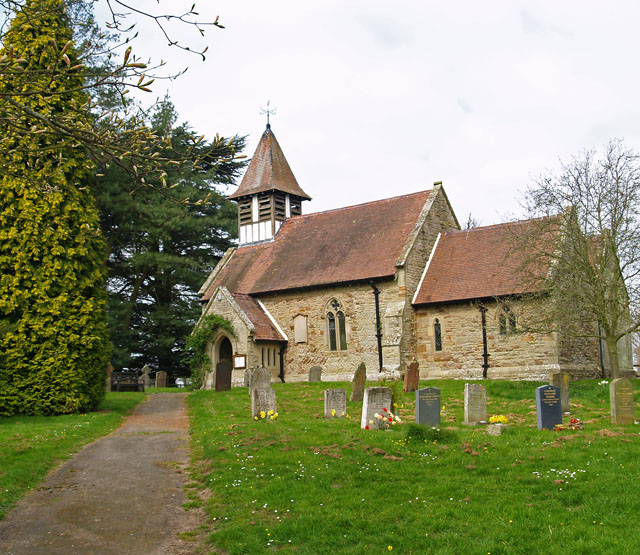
(121, 494)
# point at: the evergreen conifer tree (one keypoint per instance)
(53, 337)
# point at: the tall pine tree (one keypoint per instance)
(53, 338)
(160, 250)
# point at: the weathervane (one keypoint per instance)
(268, 112)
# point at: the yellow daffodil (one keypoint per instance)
(262, 414)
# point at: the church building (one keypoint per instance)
(384, 283)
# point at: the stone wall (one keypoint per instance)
(520, 356)
(241, 343)
(525, 356)
(358, 304)
(437, 216)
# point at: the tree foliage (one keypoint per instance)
(588, 238)
(53, 337)
(159, 251)
(113, 132)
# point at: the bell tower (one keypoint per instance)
(268, 193)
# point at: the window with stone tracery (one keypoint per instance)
(336, 326)
(506, 321)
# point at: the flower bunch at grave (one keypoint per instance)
(498, 419)
(576, 424)
(333, 413)
(269, 415)
(386, 419)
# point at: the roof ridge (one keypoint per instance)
(493, 226)
(344, 208)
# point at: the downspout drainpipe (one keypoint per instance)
(485, 354)
(376, 294)
(281, 353)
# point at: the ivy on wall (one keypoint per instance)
(197, 342)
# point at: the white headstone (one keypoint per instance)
(475, 404)
(376, 399)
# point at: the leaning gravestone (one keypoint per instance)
(428, 406)
(548, 407)
(263, 399)
(411, 377)
(475, 404)
(315, 374)
(561, 380)
(376, 399)
(260, 378)
(335, 403)
(621, 398)
(146, 379)
(359, 379)
(161, 378)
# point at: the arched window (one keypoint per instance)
(506, 321)
(437, 335)
(336, 327)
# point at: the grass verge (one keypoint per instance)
(33, 445)
(307, 485)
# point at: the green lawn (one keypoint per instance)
(32, 445)
(306, 485)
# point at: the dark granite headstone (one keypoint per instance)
(428, 406)
(161, 378)
(359, 379)
(621, 398)
(548, 407)
(315, 374)
(411, 377)
(561, 380)
(335, 403)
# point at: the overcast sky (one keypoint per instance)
(376, 99)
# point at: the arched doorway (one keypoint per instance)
(224, 365)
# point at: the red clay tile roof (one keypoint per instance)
(265, 330)
(268, 171)
(338, 246)
(476, 264)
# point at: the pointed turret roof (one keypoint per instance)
(269, 171)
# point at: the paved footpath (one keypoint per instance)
(119, 495)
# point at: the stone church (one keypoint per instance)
(384, 282)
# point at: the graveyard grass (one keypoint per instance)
(304, 484)
(34, 445)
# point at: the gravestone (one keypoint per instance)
(263, 399)
(621, 398)
(548, 407)
(315, 374)
(260, 378)
(247, 377)
(376, 399)
(428, 406)
(109, 373)
(561, 380)
(161, 378)
(223, 375)
(411, 377)
(146, 379)
(359, 379)
(335, 400)
(475, 404)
